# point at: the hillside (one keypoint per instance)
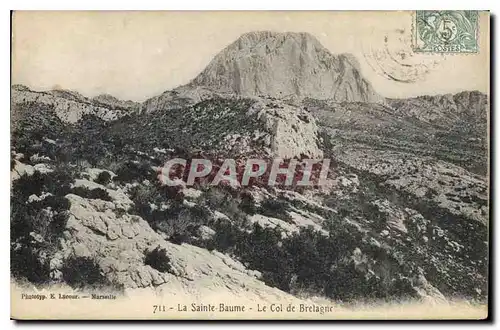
(70, 106)
(456, 130)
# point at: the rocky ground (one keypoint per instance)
(390, 225)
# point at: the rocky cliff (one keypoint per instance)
(286, 64)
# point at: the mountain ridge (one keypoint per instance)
(292, 66)
(71, 106)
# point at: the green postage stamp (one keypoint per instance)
(446, 31)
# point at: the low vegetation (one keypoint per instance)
(308, 261)
(158, 259)
(103, 178)
(96, 193)
(85, 273)
(36, 225)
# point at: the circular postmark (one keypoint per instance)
(390, 54)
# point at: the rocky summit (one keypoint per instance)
(283, 65)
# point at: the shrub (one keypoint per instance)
(142, 194)
(172, 193)
(29, 258)
(305, 261)
(57, 183)
(155, 194)
(158, 259)
(162, 219)
(275, 208)
(215, 198)
(177, 221)
(103, 178)
(28, 185)
(183, 225)
(54, 202)
(179, 238)
(26, 264)
(84, 272)
(96, 193)
(132, 171)
(247, 204)
(227, 203)
(47, 218)
(225, 238)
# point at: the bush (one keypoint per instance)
(54, 202)
(225, 239)
(275, 208)
(155, 194)
(177, 221)
(227, 203)
(96, 193)
(46, 218)
(172, 193)
(103, 178)
(307, 261)
(84, 272)
(158, 259)
(26, 264)
(183, 225)
(247, 204)
(143, 195)
(57, 183)
(28, 185)
(131, 171)
(166, 220)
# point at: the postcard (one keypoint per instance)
(250, 165)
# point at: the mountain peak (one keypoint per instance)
(283, 64)
(259, 36)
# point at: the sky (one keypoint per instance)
(137, 55)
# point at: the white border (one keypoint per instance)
(247, 5)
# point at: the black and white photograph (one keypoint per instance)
(314, 165)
